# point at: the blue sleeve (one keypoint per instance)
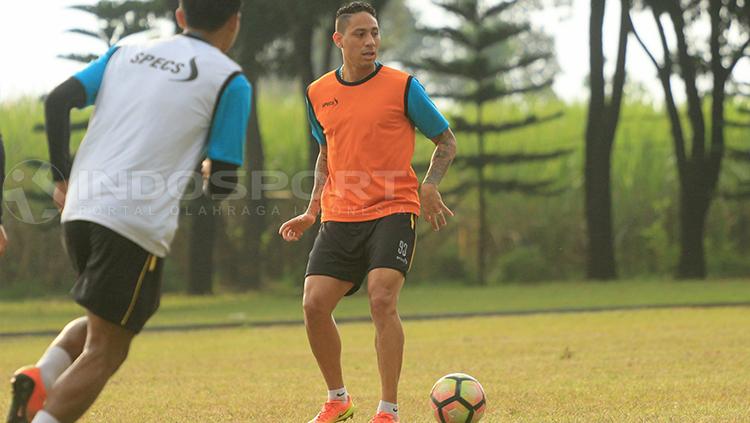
(226, 141)
(422, 111)
(91, 77)
(317, 129)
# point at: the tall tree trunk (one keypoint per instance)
(330, 56)
(601, 251)
(303, 40)
(251, 254)
(482, 242)
(699, 183)
(693, 211)
(202, 232)
(601, 130)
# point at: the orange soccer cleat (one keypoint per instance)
(383, 418)
(335, 411)
(28, 394)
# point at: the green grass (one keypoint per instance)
(656, 366)
(420, 299)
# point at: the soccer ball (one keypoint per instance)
(457, 398)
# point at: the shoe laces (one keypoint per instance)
(383, 418)
(330, 409)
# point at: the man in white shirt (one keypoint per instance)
(161, 108)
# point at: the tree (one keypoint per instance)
(740, 155)
(699, 162)
(116, 20)
(491, 55)
(119, 19)
(260, 28)
(601, 127)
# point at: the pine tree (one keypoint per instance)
(495, 55)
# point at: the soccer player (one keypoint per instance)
(364, 116)
(160, 108)
(3, 235)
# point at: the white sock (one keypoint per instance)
(388, 407)
(338, 395)
(52, 364)
(44, 417)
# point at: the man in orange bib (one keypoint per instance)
(364, 116)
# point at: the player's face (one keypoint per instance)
(361, 40)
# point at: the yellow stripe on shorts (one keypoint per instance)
(414, 248)
(149, 265)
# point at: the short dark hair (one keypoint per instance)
(209, 15)
(345, 12)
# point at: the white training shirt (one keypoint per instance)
(160, 108)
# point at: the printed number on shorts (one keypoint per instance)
(403, 248)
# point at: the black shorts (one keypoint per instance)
(117, 279)
(350, 250)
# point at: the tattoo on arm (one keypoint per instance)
(321, 176)
(442, 158)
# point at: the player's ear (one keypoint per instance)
(180, 15)
(338, 39)
(234, 21)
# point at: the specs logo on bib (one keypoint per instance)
(193, 72)
(167, 65)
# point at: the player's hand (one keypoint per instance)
(206, 169)
(3, 241)
(61, 191)
(293, 229)
(434, 210)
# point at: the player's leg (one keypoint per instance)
(383, 288)
(120, 286)
(335, 269)
(390, 251)
(30, 384)
(71, 340)
(321, 295)
(106, 348)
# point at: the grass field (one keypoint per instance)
(681, 365)
(51, 314)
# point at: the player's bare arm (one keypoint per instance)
(321, 176)
(293, 229)
(432, 203)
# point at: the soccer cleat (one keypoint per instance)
(383, 417)
(335, 411)
(28, 395)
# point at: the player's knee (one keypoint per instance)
(78, 324)
(73, 337)
(108, 350)
(315, 306)
(383, 305)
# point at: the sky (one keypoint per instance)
(33, 33)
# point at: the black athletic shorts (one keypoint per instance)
(350, 250)
(117, 279)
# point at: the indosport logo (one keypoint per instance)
(28, 192)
